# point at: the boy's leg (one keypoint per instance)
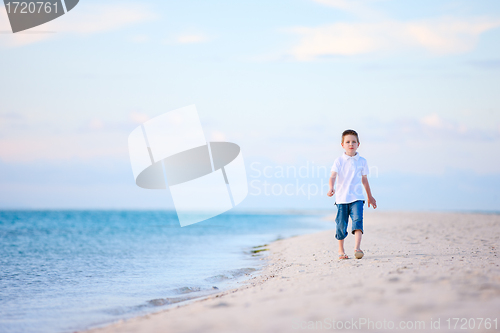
(341, 247)
(341, 220)
(356, 212)
(357, 239)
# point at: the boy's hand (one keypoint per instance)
(331, 193)
(372, 201)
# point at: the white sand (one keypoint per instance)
(417, 266)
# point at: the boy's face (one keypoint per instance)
(350, 144)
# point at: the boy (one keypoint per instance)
(351, 170)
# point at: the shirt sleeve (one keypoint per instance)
(336, 166)
(364, 170)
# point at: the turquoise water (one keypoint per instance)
(62, 271)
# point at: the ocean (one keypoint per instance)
(62, 271)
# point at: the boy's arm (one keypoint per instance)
(333, 176)
(371, 199)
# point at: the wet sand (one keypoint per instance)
(419, 270)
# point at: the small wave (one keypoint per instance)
(186, 290)
(126, 310)
(198, 292)
(236, 273)
(169, 300)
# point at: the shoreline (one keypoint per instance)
(206, 294)
(418, 268)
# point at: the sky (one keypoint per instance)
(418, 80)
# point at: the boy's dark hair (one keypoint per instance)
(349, 132)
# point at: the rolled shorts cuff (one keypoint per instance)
(340, 237)
(358, 225)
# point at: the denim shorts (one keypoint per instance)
(355, 211)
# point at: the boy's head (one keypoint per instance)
(350, 142)
(349, 132)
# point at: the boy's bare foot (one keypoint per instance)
(358, 254)
(343, 256)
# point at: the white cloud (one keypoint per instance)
(436, 36)
(63, 147)
(453, 128)
(84, 19)
(449, 35)
(34, 136)
(105, 17)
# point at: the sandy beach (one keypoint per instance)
(420, 271)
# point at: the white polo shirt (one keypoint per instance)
(349, 172)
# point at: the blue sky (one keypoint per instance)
(417, 79)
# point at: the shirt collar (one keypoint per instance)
(346, 157)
